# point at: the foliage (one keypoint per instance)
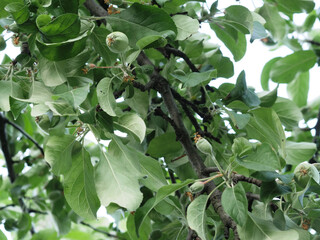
(145, 132)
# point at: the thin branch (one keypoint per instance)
(316, 140)
(173, 180)
(99, 230)
(5, 149)
(9, 161)
(6, 206)
(312, 42)
(167, 50)
(25, 134)
(238, 177)
(210, 170)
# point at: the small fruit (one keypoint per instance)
(196, 187)
(2, 43)
(117, 42)
(204, 146)
(304, 172)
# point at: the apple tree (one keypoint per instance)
(114, 105)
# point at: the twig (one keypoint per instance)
(173, 180)
(6, 206)
(99, 230)
(238, 177)
(167, 50)
(316, 140)
(25, 134)
(210, 170)
(312, 42)
(9, 161)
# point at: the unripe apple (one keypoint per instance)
(304, 172)
(117, 42)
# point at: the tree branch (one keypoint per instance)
(167, 50)
(162, 86)
(25, 134)
(238, 177)
(9, 161)
(316, 140)
(95, 9)
(99, 230)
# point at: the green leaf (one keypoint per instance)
(2, 236)
(66, 49)
(237, 47)
(256, 228)
(269, 190)
(118, 150)
(167, 141)
(98, 38)
(58, 153)
(3, 3)
(70, 6)
(268, 98)
(79, 187)
(264, 158)
(298, 152)
(284, 70)
(240, 17)
(239, 120)
(75, 96)
(133, 124)
(19, 12)
(265, 74)
(115, 184)
(61, 108)
(265, 126)
(258, 31)
(223, 65)
(62, 28)
(288, 112)
(140, 21)
(241, 92)
(275, 23)
(151, 168)
(196, 216)
(52, 73)
(195, 78)
(186, 26)
(163, 192)
(16, 107)
(48, 234)
(8, 89)
(235, 204)
(297, 6)
(105, 96)
(298, 89)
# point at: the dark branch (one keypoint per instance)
(210, 170)
(95, 9)
(25, 134)
(99, 230)
(238, 177)
(163, 87)
(167, 50)
(316, 140)
(312, 42)
(9, 161)
(5, 149)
